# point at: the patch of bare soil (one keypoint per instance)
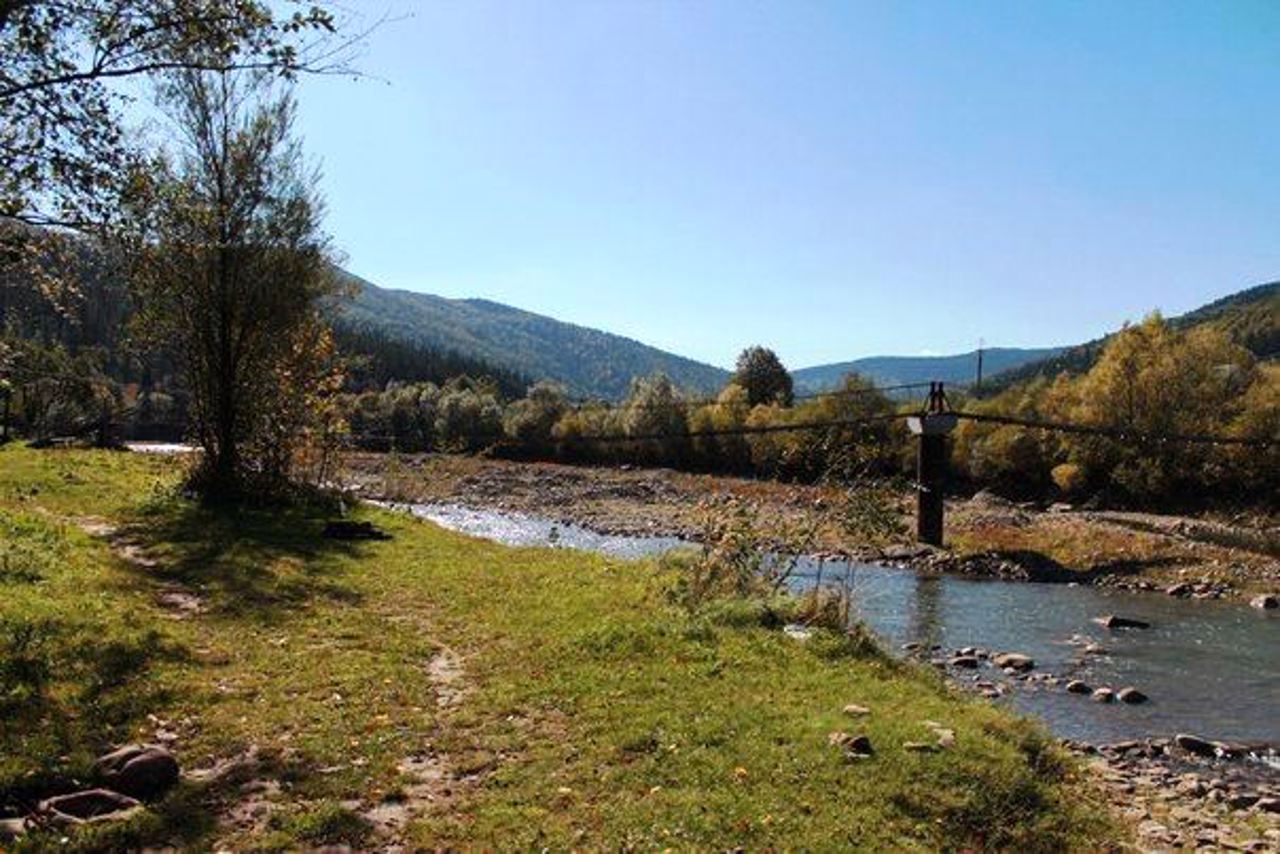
(445, 670)
(428, 785)
(429, 781)
(178, 602)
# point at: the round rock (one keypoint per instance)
(1131, 696)
(143, 771)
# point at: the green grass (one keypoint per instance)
(593, 713)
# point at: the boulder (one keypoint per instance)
(920, 747)
(86, 805)
(1075, 686)
(1271, 805)
(1265, 601)
(1195, 744)
(969, 662)
(1104, 695)
(1015, 660)
(856, 711)
(1111, 621)
(1182, 588)
(1242, 800)
(143, 771)
(1131, 696)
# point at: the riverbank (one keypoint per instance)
(986, 536)
(432, 690)
(1208, 668)
(1181, 791)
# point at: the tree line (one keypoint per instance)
(1151, 380)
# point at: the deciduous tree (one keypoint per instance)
(230, 268)
(761, 373)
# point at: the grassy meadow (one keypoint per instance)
(449, 692)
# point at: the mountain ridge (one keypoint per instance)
(590, 362)
(893, 370)
(587, 361)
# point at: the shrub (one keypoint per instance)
(1069, 478)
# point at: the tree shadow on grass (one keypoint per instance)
(261, 564)
(70, 689)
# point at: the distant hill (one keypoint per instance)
(377, 360)
(1251, 317)
(585, 361)
(893, 370)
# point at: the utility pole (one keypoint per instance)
(932, 426)
(978, 384)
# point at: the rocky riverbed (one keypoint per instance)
(1182, 791)
(1180, 798)
(988, 537)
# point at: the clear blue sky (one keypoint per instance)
(831, 179)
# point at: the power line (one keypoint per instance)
(1121, 433)
(581, 404)
(733, 431)
(746, 430)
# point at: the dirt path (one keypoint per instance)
(249, 785)
(429, 778)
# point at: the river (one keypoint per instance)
(1209, 667)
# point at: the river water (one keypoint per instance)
(1209, 667)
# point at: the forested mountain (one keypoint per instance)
(1250, 317)
(585, 361)
(411, 336)
(92, 317)
(892, 370)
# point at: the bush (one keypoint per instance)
(1069, 478)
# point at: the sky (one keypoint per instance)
(833, 180)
